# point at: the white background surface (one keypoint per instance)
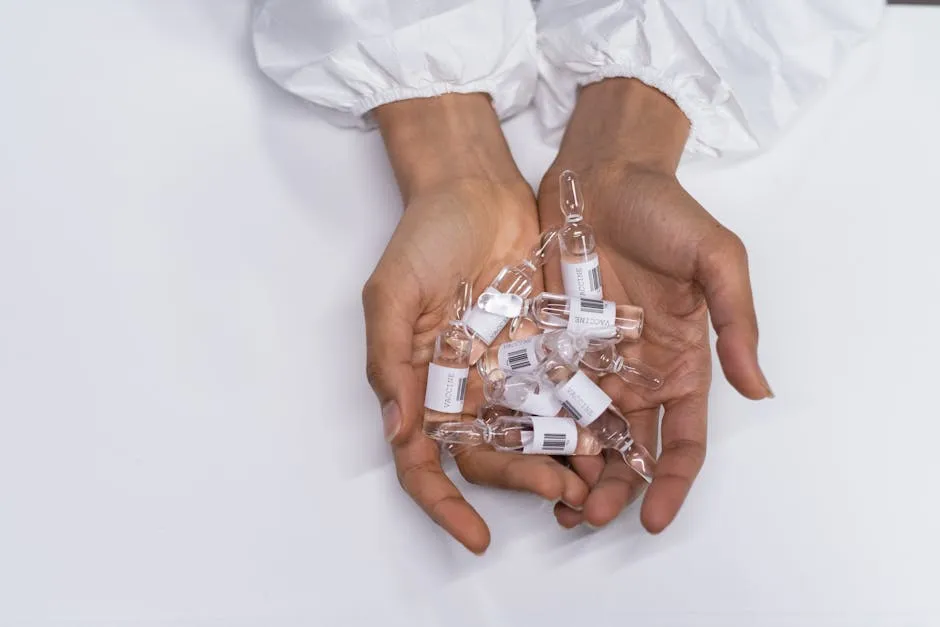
(186, 435)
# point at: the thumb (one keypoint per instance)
(723, 274)
(390, 312)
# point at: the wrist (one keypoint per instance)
(437, 142)
(627, 124)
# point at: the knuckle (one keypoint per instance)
(407, 472)
(691, 452)
(468, 467)
(733, 247)
(374, 374)
(721, 253)
(722, 248)
(515, 472)
(370, 290)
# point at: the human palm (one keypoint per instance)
(468, 230)
(661, 250)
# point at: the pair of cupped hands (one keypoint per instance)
(468, 212)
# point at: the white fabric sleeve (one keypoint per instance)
(350, 56)
(738, 69)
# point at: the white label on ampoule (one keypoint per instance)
(541, 403)
(590, 315)
(551, 436)
(483, 323)
(446, 389)
(583, 399)
(518, 356)
(582, 278)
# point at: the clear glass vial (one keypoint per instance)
(517, 281)
(580, 265)
(525, 355)
(603, 319)
(449, 368)
(632, 371)
(531, 435)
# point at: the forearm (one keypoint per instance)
(622, 122)
(436, 141)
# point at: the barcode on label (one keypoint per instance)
(595, 279)
(554, 442)
(519, 359)
(574, 413)
(461, 390)
(591, 305)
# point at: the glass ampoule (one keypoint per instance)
(447, 376)
(589, 405)
(633, 371)
(526, 393)
(525, 355)
(517, 281)
(603, 319)
(530, 435)
(585, 402)
(580, 265)
(522, 327)
(487, 414)
(450, 366)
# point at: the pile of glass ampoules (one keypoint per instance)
(539, 400)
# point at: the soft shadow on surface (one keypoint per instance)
(347, 205)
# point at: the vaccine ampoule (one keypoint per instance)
(449, 369)
(593, 409)
(529, 435)
(525, 355)
(604, 320)
(515, 281)
(580, 265)
(632, 371)
(526, 393)
(586, 403)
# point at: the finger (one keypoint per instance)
(722, 271)
(550, 216)
(588, 467)
(618, 485)
(419, 472)
(391, 309)
(567, 517)
(539, 474)
(684, 432)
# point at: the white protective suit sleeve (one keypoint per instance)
(350, 56)
(738, 69)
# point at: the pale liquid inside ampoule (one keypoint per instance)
(522, 354)
(487, 326)
(631, 371)
(538, 435)
(447, 378)
(587, 403)
(580, 265)
(529, 435)
(603, 319)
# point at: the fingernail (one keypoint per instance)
(768, 393)
(391, 420)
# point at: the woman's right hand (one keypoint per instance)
(468, 212)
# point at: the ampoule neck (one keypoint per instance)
(621, 442)
(558, 370)
(486, 430)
